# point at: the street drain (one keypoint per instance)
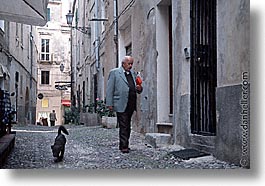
(186, 154)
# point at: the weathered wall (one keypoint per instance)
(232, 60)
(141, 33)
(145, 53)
(232, 138)
(109, 44)
(233, 41)
(3, 56)
(182, 90)
(23, 61)
(232, 93)
(181, 40)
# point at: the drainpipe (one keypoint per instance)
(72, 69)
(116, 31)
(97, 50)
(97, 36)
(31, 70)
(73, 72)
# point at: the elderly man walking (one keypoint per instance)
(121, 95)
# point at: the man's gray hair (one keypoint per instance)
(127, 58)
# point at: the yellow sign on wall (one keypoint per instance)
(44, 103)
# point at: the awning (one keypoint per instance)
(4, 73)
(30, 12)
(66, 103)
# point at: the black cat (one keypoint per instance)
(59, 144)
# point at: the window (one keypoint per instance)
(45, 50)
(17, 76)
(128, 49)
(16, 30)
(45, 77)
(21, 85)
(2, 25)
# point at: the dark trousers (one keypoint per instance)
(52, 123)
(124, 120)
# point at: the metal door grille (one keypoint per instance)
(203, 67)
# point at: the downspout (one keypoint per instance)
(72, 69)
(31, 70)
(100, 81)
(73, 102)
(97, 37)
(73, 7)
(116, 41)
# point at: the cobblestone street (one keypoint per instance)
(96, 148)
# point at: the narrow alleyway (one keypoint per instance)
(95, 148)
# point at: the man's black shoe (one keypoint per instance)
(125, 150)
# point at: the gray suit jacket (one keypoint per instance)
(118, 89)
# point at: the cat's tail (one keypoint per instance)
(62, 129)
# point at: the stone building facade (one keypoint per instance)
(88, 52)
(194, 60)
(18, 54)
(18, 58)
(54, 63)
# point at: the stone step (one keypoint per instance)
(158, 139)
(164, 124)
(164, 127)
(7, 143)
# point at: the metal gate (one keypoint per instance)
(203, 67)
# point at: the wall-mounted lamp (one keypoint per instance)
(84, 30)
(69, 20)
(62, 69)
(187, 52)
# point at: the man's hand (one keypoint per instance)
(139, 88)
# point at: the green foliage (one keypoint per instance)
(103, 110)
(100, 108)
(72, 116)
(89, 108)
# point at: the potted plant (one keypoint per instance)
(108, 117)
(89, 117)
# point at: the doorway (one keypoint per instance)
(203, 67)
